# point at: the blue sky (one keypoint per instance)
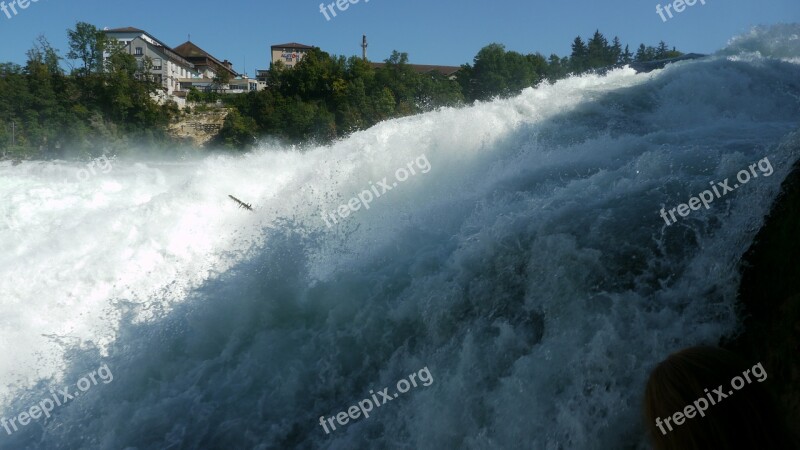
(447, 32)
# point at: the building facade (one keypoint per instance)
(168, 66)
(182, 68)
(210, 70)
(205, 65)
(290, 53)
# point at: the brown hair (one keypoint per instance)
(746, 419)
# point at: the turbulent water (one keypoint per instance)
(528, 268)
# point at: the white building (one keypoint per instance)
(168, 66)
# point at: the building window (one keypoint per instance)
(139, 51)
(157, 64)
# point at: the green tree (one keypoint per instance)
(579, 58)
(236, 132)
(598, 51)
(673, 53)
(221, 79)
(44, 54)
(615, 56)
(87, 44)
(662, 51)
(627, 56)
(401, 79)
(497, 72)
(557, 68)
(643, 54)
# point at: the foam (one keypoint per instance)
(529, 270)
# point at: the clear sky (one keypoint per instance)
(446, 32)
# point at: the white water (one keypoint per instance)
(529, 270)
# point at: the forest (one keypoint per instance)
(98, 98)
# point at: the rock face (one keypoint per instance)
(200, 125)
(769, 298)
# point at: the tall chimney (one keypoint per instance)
(364, 47)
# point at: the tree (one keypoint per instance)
(579, 59)
(221, 78)
(557, 68)
(497, 72)
(108, 97)
(598, 52)
(236, 132)
(398, 76)
(615, 56)
(385, 104)
(642, 54)
(435, 90)
(44, 54)
(105, 100)
(627, 56)
(538, 64)
(87, 44)
(662, 51)
(673, 53)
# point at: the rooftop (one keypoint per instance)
(425, 68)
(190, 50)
(164, 47)
(125, 30)
(293, 45)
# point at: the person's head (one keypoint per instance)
(707, 397)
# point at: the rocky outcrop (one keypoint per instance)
(199, 125)
(769, 297)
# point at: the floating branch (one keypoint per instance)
(242, 204)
